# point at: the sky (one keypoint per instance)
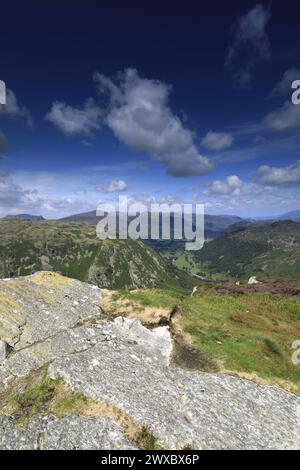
(159, 101)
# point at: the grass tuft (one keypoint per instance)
(146, 440)
(272, 347)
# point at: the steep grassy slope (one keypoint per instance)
(268, 249)
(245, 332)
(74, 250)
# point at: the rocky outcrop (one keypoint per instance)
(56, 323)
(69, 433)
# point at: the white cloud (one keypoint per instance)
(113, 187)
(149, 198)
(13, 109)
(279, 176)
(285, 118)
(217, 140)
(42, 198)
(250, 199)
(75, 121)
(12, 195)
(264, 204)
(141, 118)
(233, 185)
(284, 86)
(250, 44)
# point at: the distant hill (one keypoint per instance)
(25, 216)
(72, 249)
(267, 249)
(293, 215)
(82, 217)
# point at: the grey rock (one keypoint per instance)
(205, 411)
(4, 349)
(69, 433)
(38, 306)
(123, 363)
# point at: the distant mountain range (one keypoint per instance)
(293, 215)
(234, 248)
(212, 221)
(25, 216)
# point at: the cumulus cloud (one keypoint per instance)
(13, 109)
(217, 140)
(250, 44)
(140, 117)
(284, 86)
(75, 121)
(12, 195)
(234, 195)
(233, 185)
(113, 187)
(279, 176)
(30, 193)
(285, 118)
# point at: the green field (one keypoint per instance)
(249, 333)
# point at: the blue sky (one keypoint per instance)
(180, 102)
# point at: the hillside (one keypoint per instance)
(243, 330)
(265, 249)
(74, 250)
(73, 376)
(292, 215)
(25, 216)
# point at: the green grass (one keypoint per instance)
(73, 402)
(35, 395)
(250, 332)
(146, 440)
